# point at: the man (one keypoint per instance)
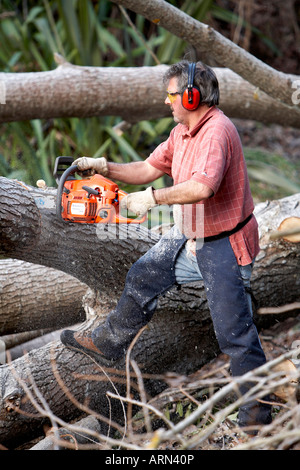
(215, 237)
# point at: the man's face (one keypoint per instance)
(173, 100)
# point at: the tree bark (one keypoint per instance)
(201, 36)
(64, 438)
(179, 338)
(34, 297)
(96, 255)
(132, 93)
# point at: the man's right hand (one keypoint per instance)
(92, 165)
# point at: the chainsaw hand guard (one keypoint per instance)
(92, 200)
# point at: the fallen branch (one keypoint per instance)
(289, 230)
(35, 297)
(204, 38)
(267, 379)
(278, 310)
(70, 91)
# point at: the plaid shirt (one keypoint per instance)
(211, 153)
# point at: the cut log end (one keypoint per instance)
(287, 391)
(289, 229)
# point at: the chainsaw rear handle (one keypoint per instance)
(67, 173)
(60, 166)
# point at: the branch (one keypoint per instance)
(225, 52)
(277, 310)
(181, 326)
(34, 297)
(265, 378)
(70, 91)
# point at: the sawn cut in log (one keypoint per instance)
(179, 338)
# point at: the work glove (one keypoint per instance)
(140, 202)
(90, 166)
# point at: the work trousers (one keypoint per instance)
(155, 273)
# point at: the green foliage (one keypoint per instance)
(271, 175)
(94, 33)
(85, 33)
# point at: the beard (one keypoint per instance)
(178, 119)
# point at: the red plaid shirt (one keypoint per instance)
(211, 153)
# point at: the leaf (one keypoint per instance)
(179, 409)
(124, 146)
(33, 13)
(265, 173)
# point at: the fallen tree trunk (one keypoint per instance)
(70, 91)
(204, 38)
(180, 337)
(38, 341)
(95, 255)
(25, 286)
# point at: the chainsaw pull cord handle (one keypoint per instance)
(91, 191)
(69, 171)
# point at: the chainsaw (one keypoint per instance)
(92, 200)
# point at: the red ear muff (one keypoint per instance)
(191, 99)
(191, 96)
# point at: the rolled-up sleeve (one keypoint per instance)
(161, 157)
(210, 168)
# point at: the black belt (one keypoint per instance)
(229, 232)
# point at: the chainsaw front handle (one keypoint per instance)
(61, 184)
(121, 219)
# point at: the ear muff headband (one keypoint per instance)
(191, 96)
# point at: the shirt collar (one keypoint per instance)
(211, 112)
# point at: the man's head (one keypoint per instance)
(204, 81)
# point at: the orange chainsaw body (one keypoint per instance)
(91, 200)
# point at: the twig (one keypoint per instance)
(128, 384)
(252, 376)
(277, 310)
(124, 13)
(143, 395)
(284, 233)
(150, 407)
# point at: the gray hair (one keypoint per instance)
(205, 79)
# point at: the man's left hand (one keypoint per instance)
(140, 202)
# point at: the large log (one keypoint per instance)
(70, 91)
(226, 53)
(24, 286)
(96, 255)
(180, 337)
